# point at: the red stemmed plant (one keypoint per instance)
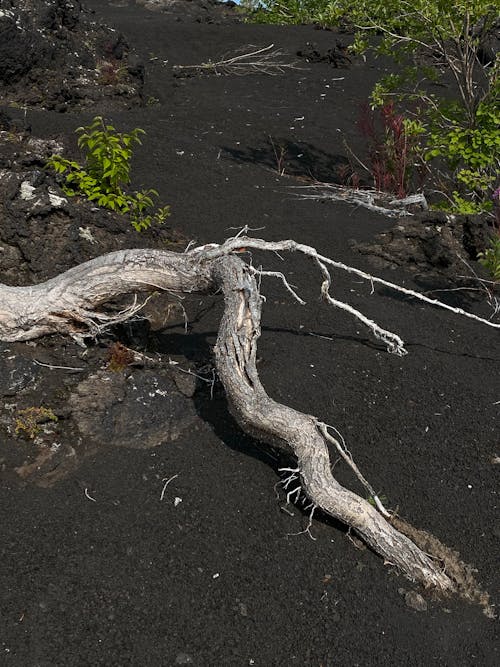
(391, 149)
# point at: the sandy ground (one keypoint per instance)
(97, 569)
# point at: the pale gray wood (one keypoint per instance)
(69, 303)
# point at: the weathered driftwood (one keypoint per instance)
(68, 304)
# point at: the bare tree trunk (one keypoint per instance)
(67, 304)
(235, 356)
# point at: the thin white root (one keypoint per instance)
(307, 529)
(292, 246)
(289, 480)
(281, 276)
(393, 342)
(98, 323)
(297, 491)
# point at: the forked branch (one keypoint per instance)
(68, 303)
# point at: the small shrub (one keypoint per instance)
(392, 148)
(472, 154)
(111, 72)
(106, 172)
(279, 152)
(432, 41)
(490, 258)
(28, 421)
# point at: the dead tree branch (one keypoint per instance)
(374, 200)
(69, 303)
(259, 61)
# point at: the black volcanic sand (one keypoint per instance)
(100, 568)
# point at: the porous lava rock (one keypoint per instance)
(53, 55)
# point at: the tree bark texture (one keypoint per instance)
(69, 303)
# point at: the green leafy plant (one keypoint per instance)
(106, 172)
(433, 41)
(490, 258)
(438, 39)
(472, 154)
(294, 12)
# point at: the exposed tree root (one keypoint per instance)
(459, 572)
(68, 302)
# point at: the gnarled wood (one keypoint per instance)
(68, 302)
(235, 359)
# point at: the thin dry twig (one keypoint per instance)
(62, 368)
(374, 200)
(393, 342)
(281, 276)
(290, 245)
(167, 482)
(259, 61)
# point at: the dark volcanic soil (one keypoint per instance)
(104, 565)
